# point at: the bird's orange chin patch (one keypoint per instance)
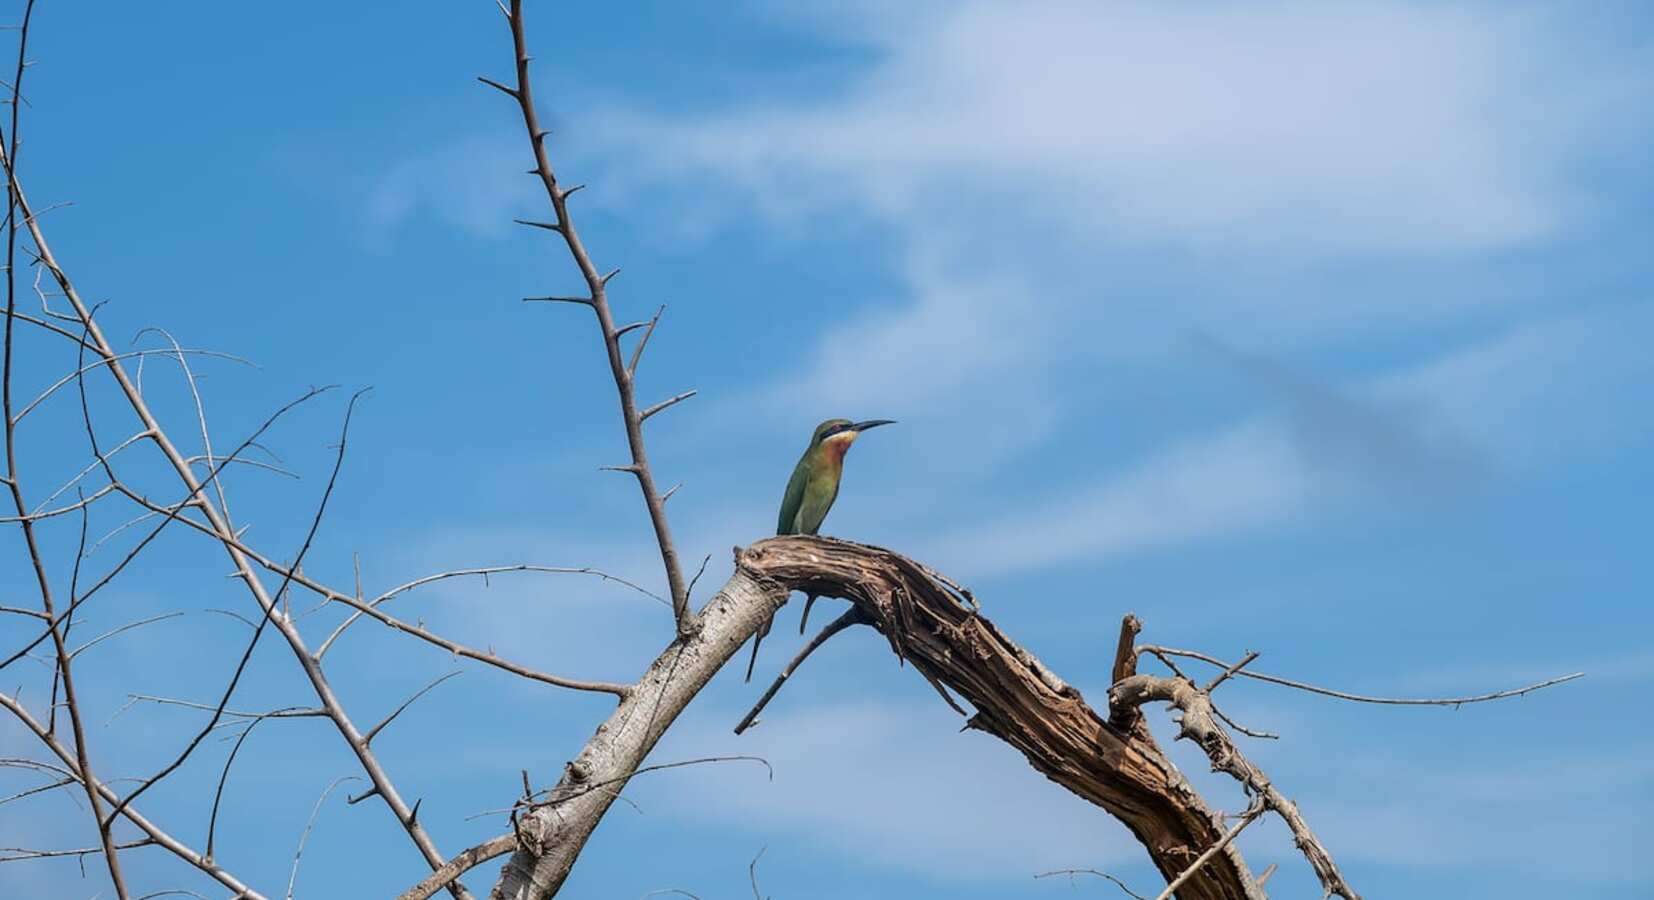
(839, 444)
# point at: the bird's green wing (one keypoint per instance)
(793, 498)
(819, 494)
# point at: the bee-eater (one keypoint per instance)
(811, 492)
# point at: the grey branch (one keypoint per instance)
(483, 572)
(597, 288)
(1197, 724)
(155, 833)
(1163, 652)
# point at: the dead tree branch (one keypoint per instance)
(624, 372)
(71, 769)
(215, 522)
(1197, 724)
(1163, 652)
(932, 624)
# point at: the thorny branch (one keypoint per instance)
(624, 372)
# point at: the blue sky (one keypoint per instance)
(1318, 329)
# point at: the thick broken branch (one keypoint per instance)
(932, 623)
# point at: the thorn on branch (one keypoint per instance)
(549, 226)
(648, 332)
(510, 92)
(583, 301)
(664, 405)
(352, 801)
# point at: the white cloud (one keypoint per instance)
(1303, 128)
(1028, 160)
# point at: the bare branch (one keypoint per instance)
(484, 572)
(124, 628)
(643, 341)
(62, 675)
(1163, 652)
(1072, 872)
(1196, 724)
(293, 876)
(291, 712)
(495, 84)
(155, 833)
(1226, 674)
(254, 557)
(1247, 819)
(224, 776)
(852, 616)
(597, 299)
(666, 404)
(752, 873)
(118, 357)
(41, 789)
(459, 865)
(12, 854)
(374, 731)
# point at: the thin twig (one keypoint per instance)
(752, 873)
(484, 572)
(1072, 872)
(293, 875)
(179, 849)
(852, 616)
(1201, 860)
(1359, 698)
(124, 628)
(459, 865)
(374, 731)
(254, 557)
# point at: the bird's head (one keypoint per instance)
(836, 435)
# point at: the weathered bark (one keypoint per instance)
(932, 624)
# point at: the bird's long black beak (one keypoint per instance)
(871, 423)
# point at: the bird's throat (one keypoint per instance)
(834, 448)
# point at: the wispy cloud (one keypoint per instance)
(1425, 432)
(1291, 126)
(473, 184)
(1028, 161)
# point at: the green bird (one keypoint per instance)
(811, 492)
